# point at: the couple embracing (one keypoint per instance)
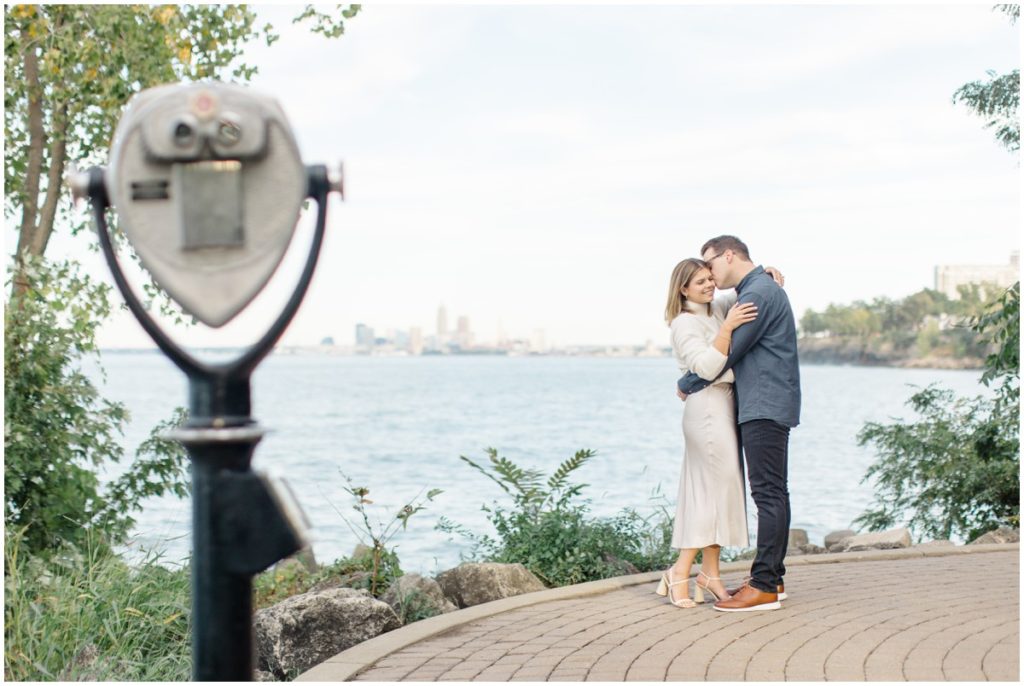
(741, 388)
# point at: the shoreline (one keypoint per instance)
(813, 359)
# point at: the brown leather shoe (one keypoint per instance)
(733, 591)
(749, 599)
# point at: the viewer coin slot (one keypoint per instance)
(150, 190)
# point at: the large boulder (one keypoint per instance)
(412, 594)
(834, 537)
(306, 629)
(876, 540)
(797, 538)
(358, 580)
(1003, 534)
(472, 583)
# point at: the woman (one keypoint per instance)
(711, 511)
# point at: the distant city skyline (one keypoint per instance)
(532, 185)
(368, 338)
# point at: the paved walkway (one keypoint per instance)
(923, 614)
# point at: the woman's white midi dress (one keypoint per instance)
(712, 502)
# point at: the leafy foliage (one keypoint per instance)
(326, 24)
(549, 530)
(57, 430)
(956, 471)
(999, 325)
(83, 614)
(998, 98)
(159, 468)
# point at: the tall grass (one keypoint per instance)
(87, 615)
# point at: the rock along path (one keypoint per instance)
(946, 613)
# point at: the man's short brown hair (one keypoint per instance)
(722, 243)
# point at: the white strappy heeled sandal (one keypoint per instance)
(699, 588)
(665, 587)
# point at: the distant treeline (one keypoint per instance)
(924, 329)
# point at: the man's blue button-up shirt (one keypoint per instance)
(763, 356)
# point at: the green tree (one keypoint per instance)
(812, 323)
(69, 71)
(998, 98)
(955, 471)
(928, 338)
(71, 68)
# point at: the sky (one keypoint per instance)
(545, 167)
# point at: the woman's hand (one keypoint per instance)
(740, 313)
(775, 274)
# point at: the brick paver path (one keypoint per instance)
(952, 618)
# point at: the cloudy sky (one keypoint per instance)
(543, 167)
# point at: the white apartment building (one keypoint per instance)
(949, 276)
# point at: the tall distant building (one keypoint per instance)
(416, 340)
(364, 336)
(949, 276)
(442, 326)
(463, 336)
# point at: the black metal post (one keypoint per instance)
(238, 526)
(221, 599)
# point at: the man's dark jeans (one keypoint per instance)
(766, 445)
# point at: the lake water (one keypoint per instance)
(398, 426)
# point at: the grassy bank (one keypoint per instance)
(87, 615)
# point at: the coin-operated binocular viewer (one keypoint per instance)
(207, 183)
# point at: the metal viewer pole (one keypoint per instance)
(240, 523)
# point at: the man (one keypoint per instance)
(763, 358)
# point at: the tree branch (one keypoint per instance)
(58, 153)
(36, 144)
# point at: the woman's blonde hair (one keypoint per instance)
(681, 277)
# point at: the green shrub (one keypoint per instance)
(59, 432)
(550, 531)
(955, 471)
(83, 614)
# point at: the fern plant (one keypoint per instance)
(527, 487)
(548, 528)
